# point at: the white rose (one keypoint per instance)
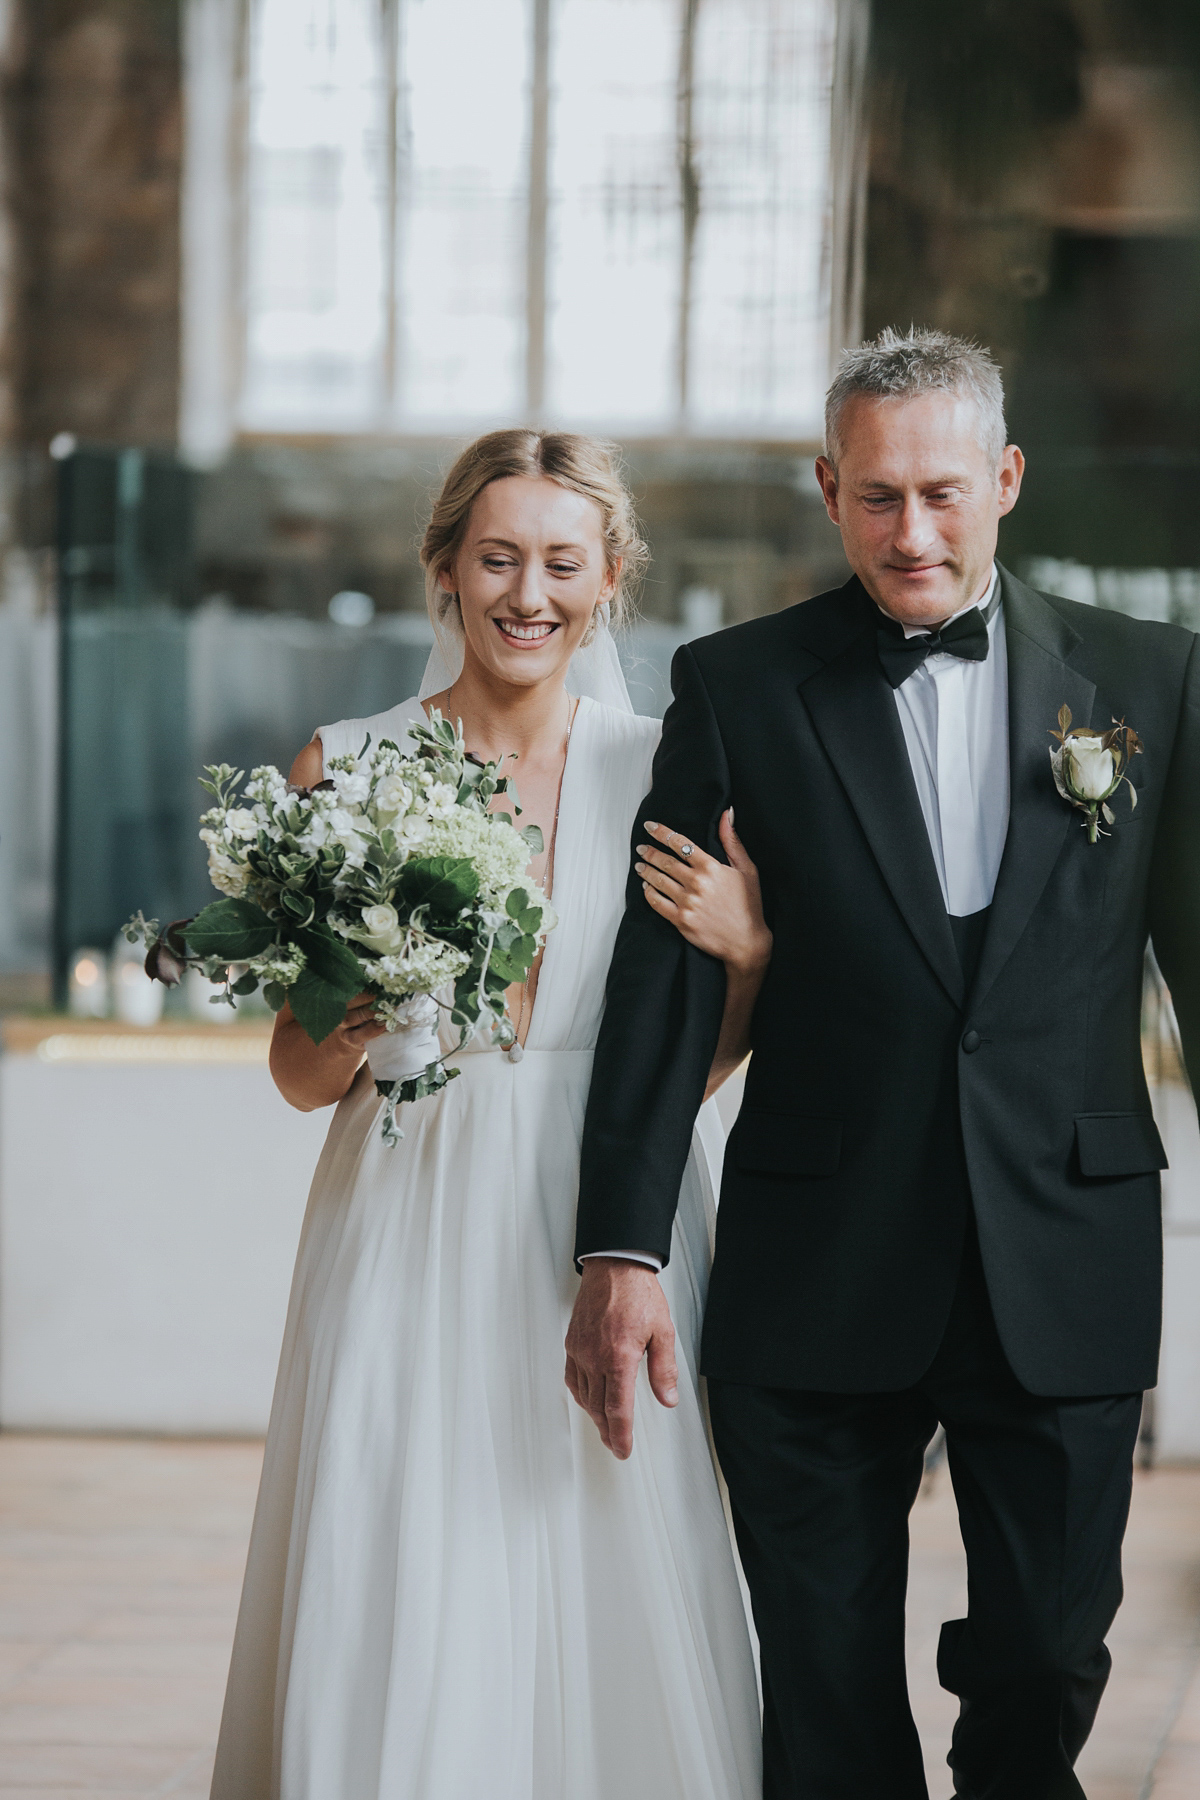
(1088, 768)
(381, 929)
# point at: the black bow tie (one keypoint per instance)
(966, 637)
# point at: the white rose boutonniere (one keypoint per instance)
(1089, 766)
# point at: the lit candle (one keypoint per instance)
(87, 985)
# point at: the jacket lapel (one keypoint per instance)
(1040, 679)
(853, 711)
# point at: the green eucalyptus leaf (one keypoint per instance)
(246, 984)
(532, 835)
(275, 995)
(515, 964)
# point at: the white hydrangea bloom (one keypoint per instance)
(499, 853)
(278, 964)
(420, 968)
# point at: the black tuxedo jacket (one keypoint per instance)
(883, 1098)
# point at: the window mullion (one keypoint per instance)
(689, 197)
(389, 25)
(539, 207)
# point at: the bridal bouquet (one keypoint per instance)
(392, 877)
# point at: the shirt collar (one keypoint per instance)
(984, 602)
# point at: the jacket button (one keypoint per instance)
(971, 1042)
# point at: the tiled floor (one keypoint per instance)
(120, 1564)
(119, 1571)
(1146, 1744)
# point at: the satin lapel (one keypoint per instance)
(854, 713)
(1040, 679)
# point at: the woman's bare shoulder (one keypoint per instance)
(309, 766)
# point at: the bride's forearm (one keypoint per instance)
(743, 983)
(311, 1075)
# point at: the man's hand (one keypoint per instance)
(621, 1314)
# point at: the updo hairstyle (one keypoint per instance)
(587, 465)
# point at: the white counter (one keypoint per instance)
(1177, 1397)
(152, 1186)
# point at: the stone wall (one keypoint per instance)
(92, 115)
(1035, 184)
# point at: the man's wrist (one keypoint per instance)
(646, 1258)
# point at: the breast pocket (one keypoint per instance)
(786, 1144)
(1118, 1144)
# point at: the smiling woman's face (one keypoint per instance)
(529, 575)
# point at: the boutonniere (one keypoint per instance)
(1089, 766)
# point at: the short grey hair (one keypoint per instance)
(922, 361)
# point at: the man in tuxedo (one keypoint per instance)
(941, 1196)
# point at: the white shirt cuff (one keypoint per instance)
(642, 1256)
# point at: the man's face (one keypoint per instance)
(918, 502)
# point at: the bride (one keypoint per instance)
(453, 1591)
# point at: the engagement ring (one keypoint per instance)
(685, 849)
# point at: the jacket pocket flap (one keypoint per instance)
(1118, 1144)
(782, 1144)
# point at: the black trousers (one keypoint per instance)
(821, 1487)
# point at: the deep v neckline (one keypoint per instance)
(563, 842)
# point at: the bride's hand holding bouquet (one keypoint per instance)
(357, 902)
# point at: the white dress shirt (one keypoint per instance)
(954, 715)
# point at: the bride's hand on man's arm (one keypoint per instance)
(717, 907)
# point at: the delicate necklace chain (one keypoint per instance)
(516, 1049)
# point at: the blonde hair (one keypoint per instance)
(587, 465)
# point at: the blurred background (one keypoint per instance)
(265, 265)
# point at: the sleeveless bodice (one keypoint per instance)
(606, 777)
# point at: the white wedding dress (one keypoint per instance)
(454, 1591)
